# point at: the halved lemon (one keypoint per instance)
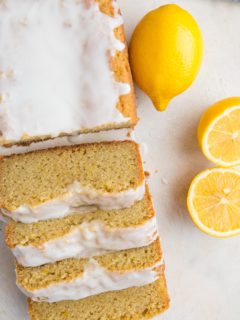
(219, 132)
(214, 202)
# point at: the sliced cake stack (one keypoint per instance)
(80, 219)
(81, 226)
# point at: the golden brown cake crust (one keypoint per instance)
(136, 303)
(120, 66)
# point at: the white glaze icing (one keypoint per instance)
(109, 135)
(54, 74)
(75, 200)
(94, 280)
(87, 240)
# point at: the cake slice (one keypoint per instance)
(57, 182)
(74, 279)
(136, 303)
(64, 69)
(83, 235)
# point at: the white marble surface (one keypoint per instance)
(202, 272)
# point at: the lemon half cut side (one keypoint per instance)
(214, 202)
(219, 132)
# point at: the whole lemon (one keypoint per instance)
(166, 51)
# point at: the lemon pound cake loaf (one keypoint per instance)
(83, 235)
(74, 279)
(64, 69)
(136, 303)
(57, 182)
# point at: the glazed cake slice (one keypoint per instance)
(64, 69)
(83, 235)
(57, 182)
(74, 279)
(136, 303)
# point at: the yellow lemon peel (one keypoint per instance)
(165, 53)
